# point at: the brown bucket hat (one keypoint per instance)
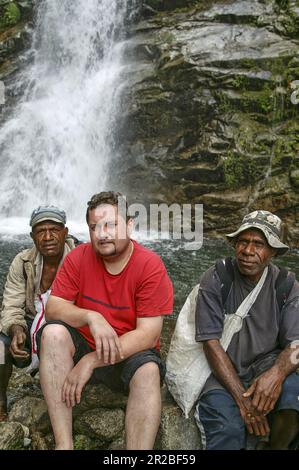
(268, 223)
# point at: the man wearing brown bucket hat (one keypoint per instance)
(253, 385)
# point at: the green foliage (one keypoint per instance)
(234, 170)
(283, 4)
(286, 149)
(11, 15)
(239, 170)
(240, 82)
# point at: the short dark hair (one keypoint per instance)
(106, 197)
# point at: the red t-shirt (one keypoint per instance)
(142, 289)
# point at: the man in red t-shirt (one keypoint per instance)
(104, 320)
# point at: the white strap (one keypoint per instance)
(233, 322)
(247, 303)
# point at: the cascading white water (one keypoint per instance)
(56, 146)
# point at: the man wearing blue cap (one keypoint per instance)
(27, 288)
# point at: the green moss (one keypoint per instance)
(285, 150)
(168, 37)
(240, 82)
(234, 170)
(239, 170)
(11, 15)
(283, 4)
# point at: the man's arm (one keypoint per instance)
(108, 346)
(225, 372)
(13, 313)
(65, 310)
(14, 298)
(266, 389)
(145, 336)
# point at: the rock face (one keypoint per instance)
(15, 22)
(209, 118)
(98, 422)
(211, 113)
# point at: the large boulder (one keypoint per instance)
(177, 432)
(31, 412)
(104, 424)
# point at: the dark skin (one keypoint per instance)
(253, 254)
(49, 238)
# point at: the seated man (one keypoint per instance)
(105, 316)
(29, 279)
(254, 384)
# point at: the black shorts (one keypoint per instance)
(117, 377)
(20, 363)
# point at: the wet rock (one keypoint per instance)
(294, 176)
(118, 444)
(106, 425)
(11, 436)
(82, 441)
(210, 110)
(99, 396)
(31, 412)
(40, 441)
(177, 432)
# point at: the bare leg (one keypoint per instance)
(5, 374)
(284, 429)
(56, 361)
(144, 408)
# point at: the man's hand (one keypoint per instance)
(75, 381)
(265, 390)
(256, 423)
(18, 338)
(108, 346)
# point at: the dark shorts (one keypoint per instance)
(117, 377)
(20, 363)
(220, 422)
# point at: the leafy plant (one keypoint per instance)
(11, 15)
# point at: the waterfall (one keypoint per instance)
(55, 147)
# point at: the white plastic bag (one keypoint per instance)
(187, 368)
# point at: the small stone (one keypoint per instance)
(27, 442)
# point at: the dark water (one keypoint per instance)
(184, 267)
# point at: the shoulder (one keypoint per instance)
(275, 271)
(80, 251)
(146, 258)
(27, 255)
(210, 278)
(79, 254)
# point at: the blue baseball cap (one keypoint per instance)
(43, 213)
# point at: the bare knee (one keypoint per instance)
(146, 376)
(56, 336)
